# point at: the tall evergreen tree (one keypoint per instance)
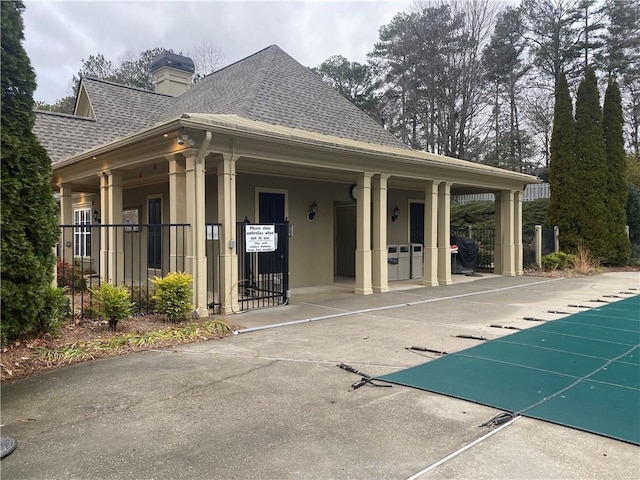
(591, 174)
(552, 36)
(620, 57)
(505, 69)
(353, 81)
(564, 199)
(616, 188)
(29, 223)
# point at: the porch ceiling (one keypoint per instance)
(303, 172)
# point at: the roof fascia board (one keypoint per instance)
(408, 156)
(426, 169)
(443, 168)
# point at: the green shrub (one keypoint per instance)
(113, 303)
(173, 296)
(479, 214)
(556, 261)
(28, 209)
(54, 311)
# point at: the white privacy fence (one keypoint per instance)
(531, 192)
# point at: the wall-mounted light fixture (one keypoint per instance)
(395, 213)
(183, 138)
(96, 215)
(313, 209)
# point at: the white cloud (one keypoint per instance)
(58, 35)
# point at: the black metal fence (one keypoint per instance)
(214, 293)
(485, 238)
(529, 244)
(263, 275)
(634, 238)
(124, 255)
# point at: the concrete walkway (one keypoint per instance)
(271, 404)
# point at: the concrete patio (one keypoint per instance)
(271, 404)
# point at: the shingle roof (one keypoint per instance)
(119, 111)
(64, 135)
(271, 86)
(268, 86)
(125, 109)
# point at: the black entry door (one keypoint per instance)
(271, 210)
(271, 207)
(154, 237)
(346, 238)
(416, 223)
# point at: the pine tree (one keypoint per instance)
(29, 223)
(616, 188)
(591, 173)
(564, 200)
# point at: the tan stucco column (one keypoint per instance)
(177, 208)
(363, 235)
(66, 218)
(430, 259)
(444, 233)
(517, 232)
(497, 238)
(380, 269)
(104, 232)
(507, 244)
(196, 256)
(115, 248)
(227, 217)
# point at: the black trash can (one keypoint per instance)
(466, 259)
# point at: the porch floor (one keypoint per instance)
(344, 286)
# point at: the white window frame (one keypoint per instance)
(82, 233)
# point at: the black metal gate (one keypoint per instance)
(485, 238)
(263, 275)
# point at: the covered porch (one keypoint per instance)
(202, 170)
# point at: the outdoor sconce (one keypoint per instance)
(395, 213)
(184, 138)
(313, 209)
(96, 214)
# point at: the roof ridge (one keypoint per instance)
(241, 60)
(64, 115)
(128, 87)
(256, 85)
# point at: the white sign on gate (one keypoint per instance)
(261, 238)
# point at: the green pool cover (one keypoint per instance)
(581, 371)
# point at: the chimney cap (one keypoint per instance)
(172, 60)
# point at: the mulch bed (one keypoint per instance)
(24, 357)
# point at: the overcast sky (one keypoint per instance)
(58, 35)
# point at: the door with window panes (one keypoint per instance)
(82, 232)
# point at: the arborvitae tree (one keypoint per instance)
(591, 175)
(616, 188)
(29, 223)
(564, 199)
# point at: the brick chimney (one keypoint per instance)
(172, 73)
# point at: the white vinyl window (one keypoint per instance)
(82, 232)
